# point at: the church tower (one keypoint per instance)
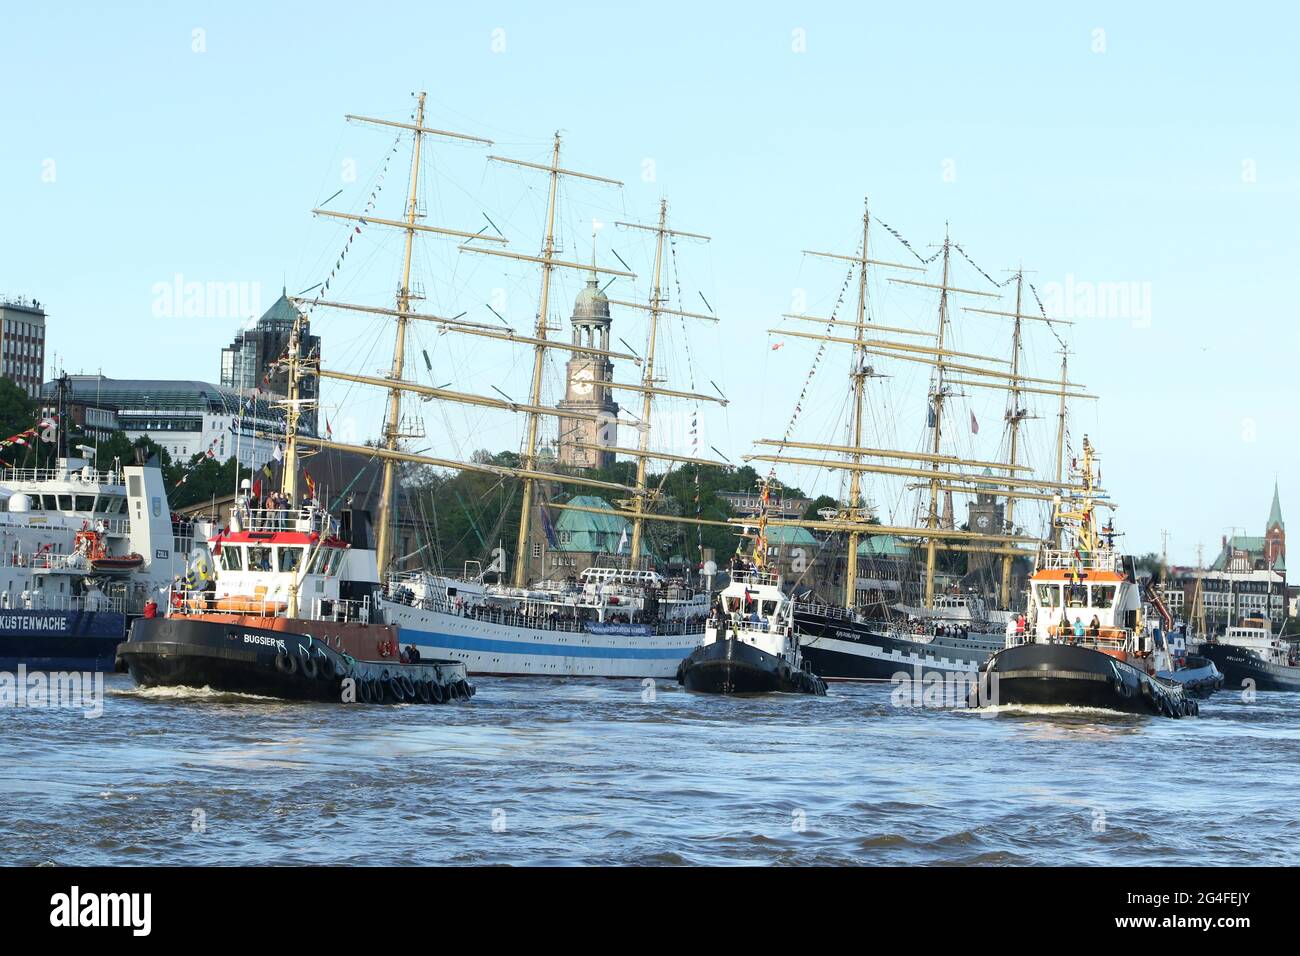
(586, 389)
(1275, 533)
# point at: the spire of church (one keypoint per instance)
(1275, 513)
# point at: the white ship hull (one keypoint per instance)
(496, 649)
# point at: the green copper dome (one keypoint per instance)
(592, 304)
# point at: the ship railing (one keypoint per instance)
(1103, 560)
(823, 610)
(341, 610)
(39, 601)
(539, 618)
(306, 519)
(753, 576)
(61, 474)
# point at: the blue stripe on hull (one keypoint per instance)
(462, 642)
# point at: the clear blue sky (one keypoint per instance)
(1168, 159)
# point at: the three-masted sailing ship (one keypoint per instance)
(626, 621)
(856, 637)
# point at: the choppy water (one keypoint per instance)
(552, 772)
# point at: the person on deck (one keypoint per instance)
(1078, 629)
(1094, 629)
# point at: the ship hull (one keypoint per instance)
(1200, 677)
(1074, 676)
(60, 640)
(1242, 669)
(839, 649)
(734, 667)
(288, 662)
(488, 647)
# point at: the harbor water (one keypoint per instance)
(541, 771)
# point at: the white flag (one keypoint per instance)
(622, 542)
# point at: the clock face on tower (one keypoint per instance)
(982, 522)
(582, 382)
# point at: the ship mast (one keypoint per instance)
(547, 261)
(1014, 417)
(859, 374)
(393, 425)
(936, 404)
(539, 355)
(855, 513)
(1060, 442)
(388, 452)
(649, 387)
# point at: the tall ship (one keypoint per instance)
(504, 615)
(82, 550)
(887, 621)
(1092, 641)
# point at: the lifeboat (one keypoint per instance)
(91, 544)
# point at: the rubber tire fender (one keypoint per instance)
(286, 664)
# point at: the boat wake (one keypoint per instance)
(188, 693)
(1042, 710)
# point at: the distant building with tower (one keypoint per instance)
(246, 364)
(22, 343)
(586, 386)
(1246, 579)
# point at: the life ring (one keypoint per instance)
(384, 649)
(286, 664)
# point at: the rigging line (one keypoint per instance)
(1050, 324)
(817, 358)
(976, 267)
(899, 236)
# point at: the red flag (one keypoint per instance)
(311, 485)
(257, 490)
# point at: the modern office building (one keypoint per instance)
(248, 363)
(185, 417)
(22, 343)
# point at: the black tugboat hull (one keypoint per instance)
(1242, 669)
(1068, 675)
(733, 667)
(837, 648)
(184, 652)
(1199, 677)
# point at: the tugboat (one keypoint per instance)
(1198, 675)
(1251, 655)
(750, 643)
(290, 608)
(1088, 643)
